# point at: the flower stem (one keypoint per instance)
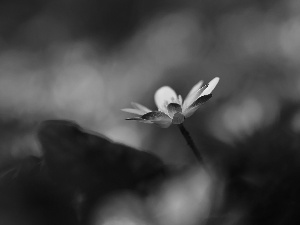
(190, 142)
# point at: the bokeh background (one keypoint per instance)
(86, 60)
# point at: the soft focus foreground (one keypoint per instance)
(84, 61)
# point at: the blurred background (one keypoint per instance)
(86, 60)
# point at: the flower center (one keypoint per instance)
(173, 108)
(178, 118)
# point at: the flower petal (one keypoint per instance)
(180, 99)
(192, 97)
(195, 105)
(140, 107)
(195, 88)
(202, 99)
(205, 90)
(159, 118)
(211, 86)
(163, 96)
(139, 119)
(174, 108)
(134, 111)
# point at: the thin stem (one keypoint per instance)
(190, 142)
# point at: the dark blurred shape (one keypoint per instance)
(74, 155)
(93, 166)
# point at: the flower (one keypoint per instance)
(171, 108)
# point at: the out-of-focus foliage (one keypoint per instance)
(91, 166)
(85, 60)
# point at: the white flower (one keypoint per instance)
(171, 108)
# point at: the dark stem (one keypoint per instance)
(190, 142)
